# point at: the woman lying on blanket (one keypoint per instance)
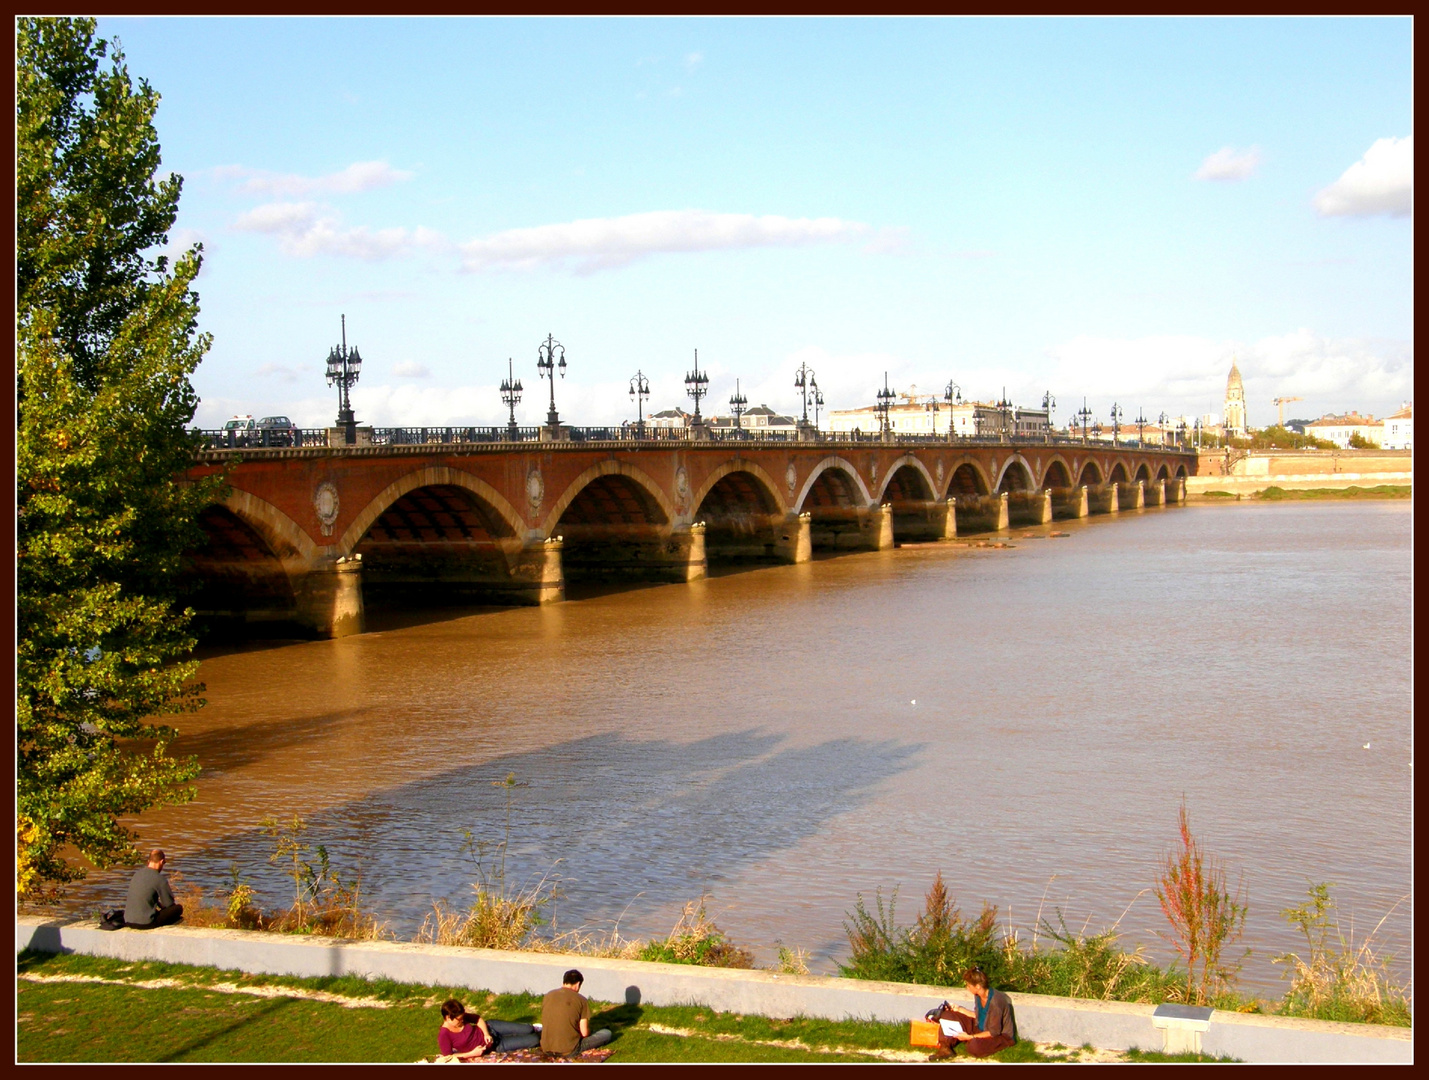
(469, 1037)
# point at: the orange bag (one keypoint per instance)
(923, 1033)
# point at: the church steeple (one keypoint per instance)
(1235, 422)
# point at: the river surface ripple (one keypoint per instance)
(1027, 720)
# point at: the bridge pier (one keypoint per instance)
(1155, 493)
(982, 513)
(1029, 507)
(329, 599)
(793, 539)
(1103, 499)
(620, 553)
(1070, 502)
(852, 528)
(1131, 496)
(537, 576)
(917, 521)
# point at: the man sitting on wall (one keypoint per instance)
(993, 1028)
(565, 1020)
(151, 902)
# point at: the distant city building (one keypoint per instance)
(1235, 404)
(1399, 429)
(669, 418)
(1338, 429)
(759, 419)
(926, 414)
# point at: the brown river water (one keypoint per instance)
(1025, 719)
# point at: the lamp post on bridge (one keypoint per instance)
(511, 397)
(1002, 407)
(1116, 415)
(1161, 423)
(817, 397)
(737, 405)
(1049, 403)
(546, 364)
(343, 368)
(882, 405)
(1083, 414)
(697, 385)
(805, 383)
(953, 395)
(1140, 427)
(639, 393)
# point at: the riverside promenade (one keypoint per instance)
(1246, 473)
(1104, 1024)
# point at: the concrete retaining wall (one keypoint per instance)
(1110, 1025)
(1249, 485)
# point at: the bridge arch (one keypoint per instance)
(1181, 471)
(246, 571)
(1091, 475)
(743, 514)
(1057, 474)
(848, 490)
(1162, 473)
(1016, 475)
(502, 515)
(967, 479)
(1117, 475)
(768, 489)
(907, 479)
(1143, 473)
(653, 502)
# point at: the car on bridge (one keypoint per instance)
(239, 431)
(277, 431)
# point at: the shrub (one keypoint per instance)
(1204, 917)
(1339, 980)
(695, 939)
(936, 950)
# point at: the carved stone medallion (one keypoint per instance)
(791, 477)
(326, 504)
(535, 488)
(682, 484)
(940, 472)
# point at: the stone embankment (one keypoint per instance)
(1110, 1025)
(1246, 473)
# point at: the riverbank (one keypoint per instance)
(755, 1015)
(1249, 493)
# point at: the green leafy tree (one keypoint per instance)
(106, 342)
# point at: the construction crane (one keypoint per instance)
(1280, 404)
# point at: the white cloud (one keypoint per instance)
(1228, 163)
(596, 244)
(410, 369)
(693, 60)
(307, 229)
(357, 177)
(278, 371)
(1381, 182)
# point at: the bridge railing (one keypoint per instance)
(240, 439)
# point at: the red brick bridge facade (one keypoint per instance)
(306, 532)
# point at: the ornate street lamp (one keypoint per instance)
(1002, 406)
(511, 396)
(343, 368)
(817, 396)
(697, 385)
(547, 363)
(1161, 422)
(804, 382)
(1140, 426)
(953, 395)
(639, 393)
(737, 405)
(885, 402)
(1083, 414)
(1049, 403)
(1116, 415)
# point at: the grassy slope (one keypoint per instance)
(194, 1020)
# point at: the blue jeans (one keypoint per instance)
(506, 1036)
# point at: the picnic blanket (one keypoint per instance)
(521, 1057)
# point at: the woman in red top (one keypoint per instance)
(468, 1036)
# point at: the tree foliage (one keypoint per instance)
(106, 341)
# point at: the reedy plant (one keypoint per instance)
(1339, 980)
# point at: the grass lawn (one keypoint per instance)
(88, 1009)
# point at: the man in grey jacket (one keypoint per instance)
(151, 901)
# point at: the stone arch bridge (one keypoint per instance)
(305, 532)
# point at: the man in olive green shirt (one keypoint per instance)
(565, 1020)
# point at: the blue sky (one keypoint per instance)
(1108, 208)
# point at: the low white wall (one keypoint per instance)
(1249, 485)
(1110, 1025)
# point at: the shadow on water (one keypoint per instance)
(614, 819)
(224, 749)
